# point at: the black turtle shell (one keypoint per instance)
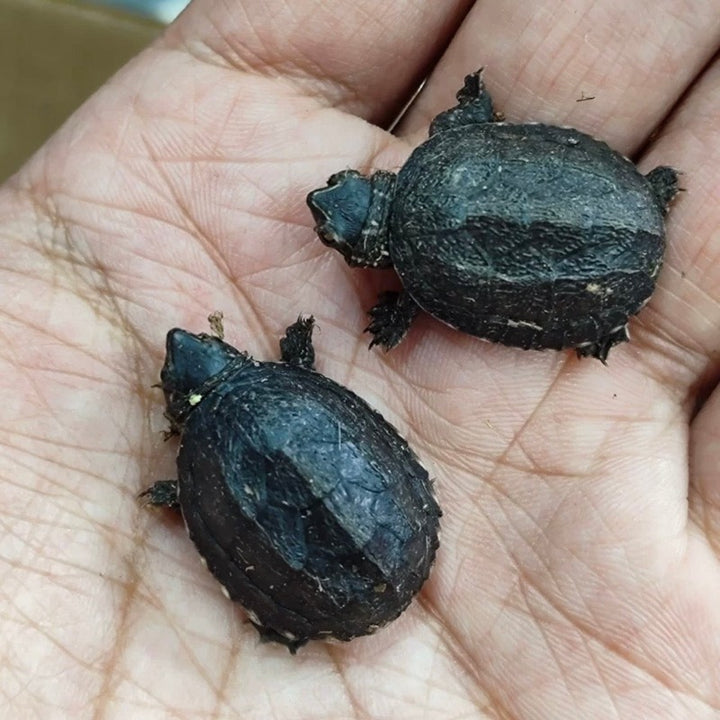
(307, 505)
(529, 235)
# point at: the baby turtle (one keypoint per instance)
(306, 505)
(528, 235)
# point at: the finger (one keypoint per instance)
(362, 55)
(599, 66)
(684, 319)
(704, 497)
(633, 86)
(681, 324)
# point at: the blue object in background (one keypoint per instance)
(164, 11)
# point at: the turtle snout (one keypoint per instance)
(340, 209)
(337, 221)
(320, 210)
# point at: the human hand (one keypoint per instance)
(578, 570)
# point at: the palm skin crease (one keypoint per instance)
(578, 572)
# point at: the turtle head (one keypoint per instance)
(190, 361)
(351, 216)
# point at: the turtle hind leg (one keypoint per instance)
(601, 347)
(163, 493)
(391, 318)
(474, 106)
(296, 346)
(664, 182)
(269, 635)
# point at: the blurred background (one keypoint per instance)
(55, 53)
(164, 11)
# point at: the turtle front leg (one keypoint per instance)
(163, 493)
(296, 346)
(474, 106)
(391, 318)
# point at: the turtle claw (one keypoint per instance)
(601, 348)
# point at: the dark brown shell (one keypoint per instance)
(528, 235)
(308, 507)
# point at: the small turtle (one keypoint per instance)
(307, 506)
(528, 235)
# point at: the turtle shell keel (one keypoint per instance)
(307, 506)
(530, 235)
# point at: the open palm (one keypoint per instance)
(578, 575)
